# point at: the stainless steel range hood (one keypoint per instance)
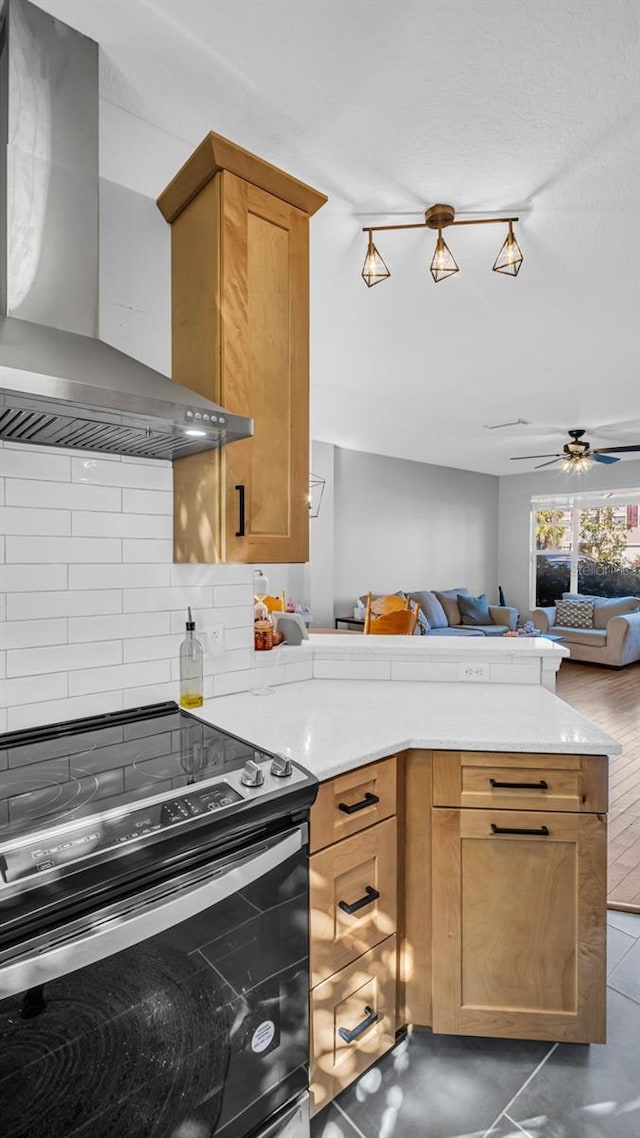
(60, 385)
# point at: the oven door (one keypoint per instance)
(181, 1012)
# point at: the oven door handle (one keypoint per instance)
(120, 926)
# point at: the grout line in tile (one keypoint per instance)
(503, 1112)
(349, 1120)
(621, 993)
(623, 957)
(517, 1125)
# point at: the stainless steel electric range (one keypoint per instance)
(153, 932)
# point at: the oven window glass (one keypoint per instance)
(200, 1030)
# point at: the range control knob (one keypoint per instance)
(252, 774)
(281, 766)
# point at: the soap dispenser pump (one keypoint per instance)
(191, 671)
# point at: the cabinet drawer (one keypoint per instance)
(352, 802)
(570, 783)
(352, 1021)
(358, 874)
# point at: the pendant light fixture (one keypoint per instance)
(374, 269)
(510, 257)
(443, 263)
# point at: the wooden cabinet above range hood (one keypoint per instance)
(240, 336)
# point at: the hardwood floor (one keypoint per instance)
(611, 697)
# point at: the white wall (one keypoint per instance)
(515, 496)
(410, 525)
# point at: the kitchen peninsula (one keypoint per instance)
(458, 860)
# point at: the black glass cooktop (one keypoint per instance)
(76, 789)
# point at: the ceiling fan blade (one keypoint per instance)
(556, 459)
(617, 450)
(524, 457)
(606, 458)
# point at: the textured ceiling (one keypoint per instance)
(390, 105)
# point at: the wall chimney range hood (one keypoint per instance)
(59, 384)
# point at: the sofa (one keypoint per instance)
(441, 612)
(613, 638)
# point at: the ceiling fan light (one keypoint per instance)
(510, 258)
(576, 464)
(443, 263)
(374, 269)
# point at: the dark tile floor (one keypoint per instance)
(448, 1087)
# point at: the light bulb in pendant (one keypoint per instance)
(374, 269)
(443, 263)
(510, 257)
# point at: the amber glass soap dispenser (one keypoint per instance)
(191, 679)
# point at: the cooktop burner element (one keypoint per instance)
(77, 790)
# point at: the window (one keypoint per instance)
(585, 543)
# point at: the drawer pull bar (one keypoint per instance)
(368, 800)
(542, 785)
(351, 1036)
(370, 895)
(241, 530)
(543, 832)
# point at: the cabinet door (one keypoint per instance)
(265, 372)
(353, 898)
(352, 1022)
(240, 284)
(519, 924)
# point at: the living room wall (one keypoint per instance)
(515, 493)
(411, 525)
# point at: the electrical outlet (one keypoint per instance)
(215, 640)
(473, 672)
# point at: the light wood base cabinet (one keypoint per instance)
(353, 1021)
(519, 924)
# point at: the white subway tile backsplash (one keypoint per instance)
(96, 471)
(92, 609)
(166, 599)
(88, 603)
(212, 575)
(32, 578)
(119, 678)
(152, 648)
(14, 520)
(87, 523)
(86, 628)
(62, 496)
(32, 633)
(23, 462)
(232, 595)
(147, 502)
(63, 658)
(147, 550)
(27, 690)
(352, 670)
(52, 550)
(147, 577)
(58, 710)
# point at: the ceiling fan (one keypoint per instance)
(577, 455)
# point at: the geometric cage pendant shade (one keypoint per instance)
(510, 257)
(374, 269)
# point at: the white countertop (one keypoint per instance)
(331, 726)
(411, 647)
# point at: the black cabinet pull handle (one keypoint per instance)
(542, 785)
(368, 800)
(543, 832)
(351, 1036)
(241, 518)
(370, 895)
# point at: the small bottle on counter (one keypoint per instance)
(191, 670)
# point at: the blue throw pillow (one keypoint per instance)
(474, 610)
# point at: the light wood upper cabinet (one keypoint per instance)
(240, 328)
